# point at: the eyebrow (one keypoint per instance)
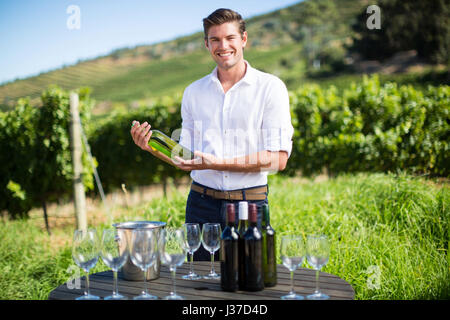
(227, 36)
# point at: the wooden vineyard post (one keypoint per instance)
(76, 148)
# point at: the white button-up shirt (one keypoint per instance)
(251, 116)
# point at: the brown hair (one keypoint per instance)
(221, 16)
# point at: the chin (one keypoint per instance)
(227, 64)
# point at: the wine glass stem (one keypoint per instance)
(87, 292)
(192, 265)
(292, 283)
(145, 283)
(317, 281)
(212, 263)
(115, 290)
(174, 271)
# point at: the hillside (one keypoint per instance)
(286, 42)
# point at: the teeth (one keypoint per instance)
(224, 54)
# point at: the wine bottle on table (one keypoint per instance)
(229, 253)
(269, 256)
(254, 274)
(242, 227)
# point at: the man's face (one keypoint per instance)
(226, 44)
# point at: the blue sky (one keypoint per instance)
(34, 36)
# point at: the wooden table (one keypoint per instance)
(304, 280)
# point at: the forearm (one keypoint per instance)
(256, 162)
(162, 156)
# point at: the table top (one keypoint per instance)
(101, 284)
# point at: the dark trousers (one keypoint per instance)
(202, 209)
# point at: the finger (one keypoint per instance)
(179, 161)
(143, 134)
(147, 137)
(134, 126)
(134, 133)
(182, 167)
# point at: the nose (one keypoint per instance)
(223, 44)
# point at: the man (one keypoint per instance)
(238, 123)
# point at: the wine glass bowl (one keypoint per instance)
(317, 254)
(292, 251)
(85, 253)
(211, 242)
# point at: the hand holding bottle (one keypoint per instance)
(141, 135)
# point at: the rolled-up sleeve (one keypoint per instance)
(277, 126)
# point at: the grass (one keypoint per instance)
(397, 225)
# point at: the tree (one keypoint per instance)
(35, 163)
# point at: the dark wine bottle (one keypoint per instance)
(229, 253)
(269, 256)
(253, 261)
(242, 227)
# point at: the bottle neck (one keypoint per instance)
(265, 216)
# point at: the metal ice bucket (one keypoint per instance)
(129, 270)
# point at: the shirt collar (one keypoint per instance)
(248, 78)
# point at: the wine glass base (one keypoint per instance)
(173, 297)
(88, 297)
(116, 297)
(191, 276)
(318, 296)
(212, 276)
(293, 296)
(145, 297)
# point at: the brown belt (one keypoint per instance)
(259, 193)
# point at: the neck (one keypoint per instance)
(233, 74)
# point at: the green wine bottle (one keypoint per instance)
(159, 141)
(269, 257)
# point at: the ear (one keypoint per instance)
(244, 39)
(206, 44)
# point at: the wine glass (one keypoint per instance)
(193, 239)
(172, 249)
(317, 254)
(85, 253)
(211, 242)
(143, 253)
(114, 254)
(292, 253)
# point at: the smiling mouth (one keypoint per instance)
(224, 54)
